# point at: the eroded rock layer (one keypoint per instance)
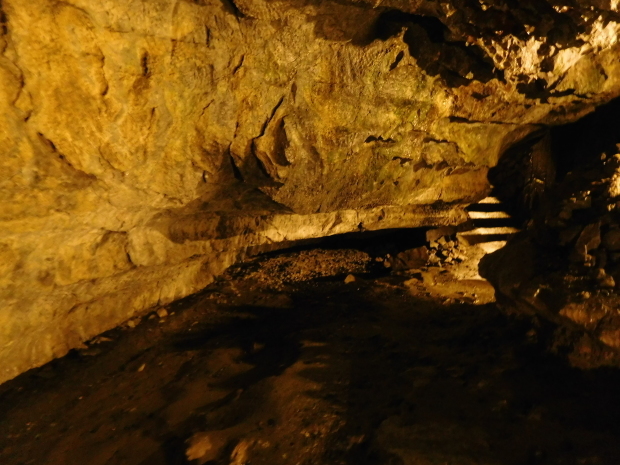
(148, 144)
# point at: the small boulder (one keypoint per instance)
(599, 274)
(162, 313)
(433, 259)
(608, 282)
(206, 447)
(411, 259)
(432, 235)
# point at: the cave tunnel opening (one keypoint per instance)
(534, 166)
(582, 143)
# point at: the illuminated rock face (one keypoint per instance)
(148, 144)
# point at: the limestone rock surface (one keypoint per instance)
(145, 145)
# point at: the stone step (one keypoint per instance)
(491, 224)
(491, 231)
(484, 215)
(491, 227)
(477, 240)
(492, 246)
(490, 200)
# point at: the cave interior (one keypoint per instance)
(310, 232)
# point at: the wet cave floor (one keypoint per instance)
(275, 366)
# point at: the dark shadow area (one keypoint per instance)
(539, 89)
(374, 243)
(455, 62)
(434, 374)
(577, 145)
(523, 175)
(231, 7)
(530, 169)
(332, 373)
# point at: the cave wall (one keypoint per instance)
(146, 145)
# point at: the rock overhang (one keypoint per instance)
(148, 145)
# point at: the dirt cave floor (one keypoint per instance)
(283, 362)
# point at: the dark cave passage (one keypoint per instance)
(241, 232)
(533, 167)
(582, 143)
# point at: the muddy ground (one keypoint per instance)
(282, 362)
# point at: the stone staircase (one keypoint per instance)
(491, 225)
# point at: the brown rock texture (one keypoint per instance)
(562, 273)
(148, 144)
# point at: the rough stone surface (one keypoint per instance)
(390, 369)
(571, 283)
(410, 259)
(147, 145)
